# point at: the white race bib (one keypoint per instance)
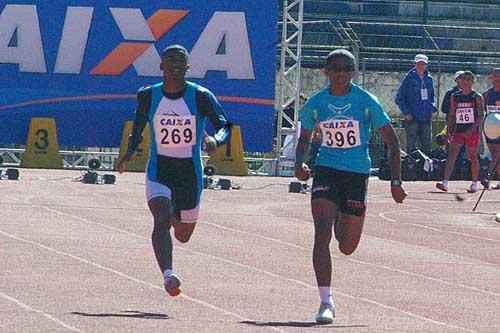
(494, 108)
(340, 133)
(465, 116)
(175, 131)
(423, 93)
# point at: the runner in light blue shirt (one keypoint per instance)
(344, 113)
(345, 122)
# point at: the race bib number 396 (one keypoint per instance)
(175, 131)
(340, 133)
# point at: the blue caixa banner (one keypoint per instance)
(81, 62)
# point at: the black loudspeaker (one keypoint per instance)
(12, 174)
(225, 184)
(1, 159)
(90, 178)
(295, 187)
(94, 164)
(109, 179)
(209, 170)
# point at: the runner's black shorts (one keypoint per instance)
(348, 190)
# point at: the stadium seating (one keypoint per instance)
(389, 32)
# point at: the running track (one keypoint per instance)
(78, 257)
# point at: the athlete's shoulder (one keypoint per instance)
(320, 94)
(148, 89)
(363, 94)
(197, 87)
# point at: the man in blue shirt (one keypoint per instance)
(415, 99)
(177, 112)
(344, 113)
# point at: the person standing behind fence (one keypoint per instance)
(415, 98)
(492, 101)
(464, 120)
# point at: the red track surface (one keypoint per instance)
(78, 257)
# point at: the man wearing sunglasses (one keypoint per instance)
(464, 119)
(344, 113)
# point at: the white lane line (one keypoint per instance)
(359, 261)
(133, 279)
(383, 215)
(46, 315)
(128, 277)
(482, 262)
(278, 276)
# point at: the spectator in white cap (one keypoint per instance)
(415, 99)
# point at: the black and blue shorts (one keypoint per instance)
(348, 190)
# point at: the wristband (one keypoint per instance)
(396, 182)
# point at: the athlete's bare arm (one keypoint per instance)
(391, 140)
(301, 169)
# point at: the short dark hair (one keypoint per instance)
(469, 73)
(175, 48)
(340, 53)
(303, 97)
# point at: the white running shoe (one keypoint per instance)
(473, 188)
(442, 186)
(326, 313)
(172, 283)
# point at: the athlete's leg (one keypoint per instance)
(349, 228)
(474, 162)
(183, 230)
(452, 157)
(324, 214)
(184, 222)
(161, 209)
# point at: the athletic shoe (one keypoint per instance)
(497, 187)
(442, 187)
(172, 283)
(485, 183)
(326, 313)
(473, 188)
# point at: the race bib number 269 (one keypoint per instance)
(175, 131)
(340, 133)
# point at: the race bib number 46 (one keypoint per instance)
(340, 133)
(175, 131)
(465, 116)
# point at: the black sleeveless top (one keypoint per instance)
(465, 110)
